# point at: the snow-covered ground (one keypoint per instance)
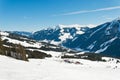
(57, 69)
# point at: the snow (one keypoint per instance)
(4, 33)
(102, 49)
(79, 32)
(79, 49)
(68, 54)
(45, 41)
(108, 42)
(51, 42)
(80, 53)
(53, 53)
(24, 43)
(110, 60)
(114, 22)
(57, 69)
(77, 26)
(74, 38)
(55, 42)
(91, 45)
(65, 36)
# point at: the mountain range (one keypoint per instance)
(103, 39)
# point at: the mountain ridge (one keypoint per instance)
(99, 39)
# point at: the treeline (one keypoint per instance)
(88, 56)
(19, 52)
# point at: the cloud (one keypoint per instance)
(79, 25)
(88, 11)
(89, 25)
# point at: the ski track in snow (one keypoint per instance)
(56, 69)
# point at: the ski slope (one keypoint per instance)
(57, 69)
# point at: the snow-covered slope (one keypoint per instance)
(57, 69)
(104, 39)
(15, 39)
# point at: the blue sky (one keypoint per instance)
(33, 15)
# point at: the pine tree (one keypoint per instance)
(1, 46)
(21, 52)
(0, 40)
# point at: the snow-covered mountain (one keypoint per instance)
(22, 33)
(102, 39)
(56, 35)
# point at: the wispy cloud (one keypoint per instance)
(88, 11)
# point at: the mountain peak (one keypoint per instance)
(117, 19)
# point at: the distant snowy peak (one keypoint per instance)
(78, 29)
(59, 33)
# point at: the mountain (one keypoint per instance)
(59, 34)
(22, 33)
(104, 39)
(56, 35)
